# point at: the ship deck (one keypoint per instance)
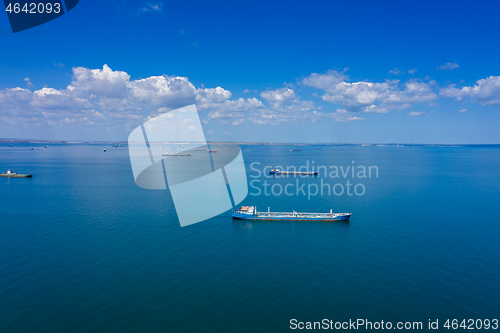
(300, 215)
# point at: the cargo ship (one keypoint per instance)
(283, 172)
(251, 213)
(10, 173)
(176, 154)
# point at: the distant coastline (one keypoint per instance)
(318, 144)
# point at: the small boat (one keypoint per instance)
(283, 172)
(319, 147)
(212, 151)
(104, 150)
(31, 148)
(181, 146)
(200, 150)
(10, 173)
(294, 149)
(46, 146)
(227, 148)
(10, 145)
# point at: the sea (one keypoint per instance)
(84, 249)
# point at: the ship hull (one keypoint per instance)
(16, 176)
(292, 173)
(290, 218)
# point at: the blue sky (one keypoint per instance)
(287, 71)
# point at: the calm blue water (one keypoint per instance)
(83, 249)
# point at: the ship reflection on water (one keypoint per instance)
(254, 224)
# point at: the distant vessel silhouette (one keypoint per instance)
(10, 173)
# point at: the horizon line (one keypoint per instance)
(19, 140)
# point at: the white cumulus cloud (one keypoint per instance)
(342, 115)
(28, 83)
(278, 96)
(106, 100)
(485, 91)
(448, 66)
(396, 71)
(372, 97)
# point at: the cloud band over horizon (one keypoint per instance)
(100, 99)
